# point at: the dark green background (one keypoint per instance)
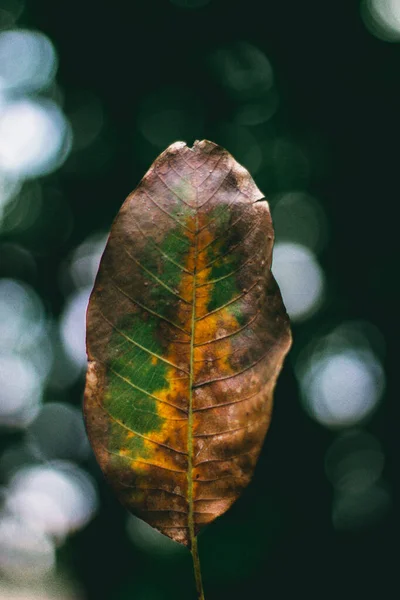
(339, 101)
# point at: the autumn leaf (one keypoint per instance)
(186, 335)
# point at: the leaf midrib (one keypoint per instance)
(191, 387)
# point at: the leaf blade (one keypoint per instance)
(186, 336)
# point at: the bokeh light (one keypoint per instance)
(361, 509)
(354, 461)
(341, 378)
(58, 433)
(28, 61)
(77, 277)
(23, 208)
(354, 466)
(26, 552)
(300, 218)
(35, 137)
(22, 319)
(382, 18)
(244, 70)
(255, 113)
(21, 390)
(73, 326)
(9, 187)
(300, 279)
(55, 499)
(84, 262)
(25, 351)
(50, 588)
(343, 388)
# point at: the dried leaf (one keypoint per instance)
(186, 335)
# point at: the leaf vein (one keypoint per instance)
(234, 430)
(142, 462)
(171, 190)
(168, 214)
(229, 303)
(223, 337)
(128, 382)
(247, 368)
(226, 459)
(128, 339)
(119, 422)
(147, 309)
(159, 281)
(210, 407)
(231, 248)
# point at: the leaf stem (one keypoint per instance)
(197, 569)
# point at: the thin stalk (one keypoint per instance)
(197, 570)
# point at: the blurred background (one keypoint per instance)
(306, 95)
